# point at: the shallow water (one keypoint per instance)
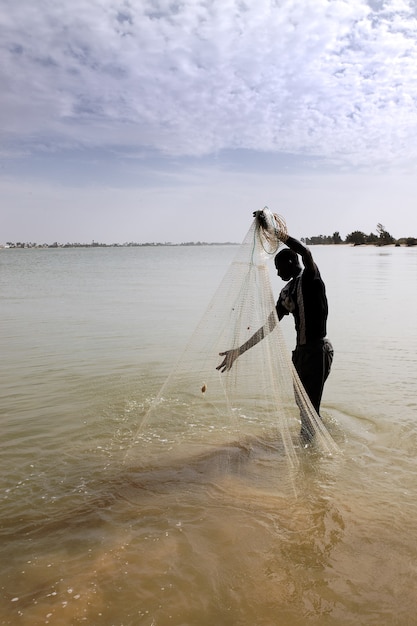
(88, 336)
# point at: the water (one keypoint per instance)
(88, 336)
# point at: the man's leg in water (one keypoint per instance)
(313, 363)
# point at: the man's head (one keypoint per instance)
(287, 264)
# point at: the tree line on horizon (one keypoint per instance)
(357, 238)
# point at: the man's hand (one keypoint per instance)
(275, 227)
(260, 218)
(230, 357)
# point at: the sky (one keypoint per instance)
(172, 121)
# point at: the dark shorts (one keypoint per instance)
(313, 362)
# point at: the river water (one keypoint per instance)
(88, 336)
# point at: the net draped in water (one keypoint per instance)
(255, 404)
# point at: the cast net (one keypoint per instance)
(246, 416)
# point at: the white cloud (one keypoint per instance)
(333, 79)
(172, 121)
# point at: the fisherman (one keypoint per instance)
(304, 296)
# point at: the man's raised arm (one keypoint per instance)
(303, 251)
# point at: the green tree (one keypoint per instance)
(384, 236)
(357, 237)
(372, 238)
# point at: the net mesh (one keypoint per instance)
(247, 415)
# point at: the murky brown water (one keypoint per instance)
(86, 537)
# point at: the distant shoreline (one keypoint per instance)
(20, 246)
(403, 242)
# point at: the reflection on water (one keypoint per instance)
(91, 536)
(192, 544)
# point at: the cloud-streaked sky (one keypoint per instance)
(159, 120)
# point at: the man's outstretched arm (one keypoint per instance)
(230, 356)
